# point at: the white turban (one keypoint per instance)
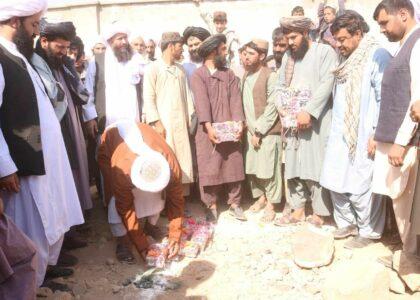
(21, 8)
(113, 29)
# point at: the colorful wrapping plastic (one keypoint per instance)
(289, 103)
(202, 235)
(189, 249)
(155, 256)
(227, 131)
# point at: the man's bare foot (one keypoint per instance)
(258, 205)
(315, 220)
(298, 214)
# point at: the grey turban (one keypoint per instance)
(65, 30)
(210, 44)
(198, 32)
(298, 23)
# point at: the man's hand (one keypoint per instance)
(415, 111)
(1, 207)
(371, 147)
(173, 249)
(211, 133)
(256, 141)
(158, 126)
(92, 128)
(303, 120)
(10, 183)
(396, 155)
(240, 132)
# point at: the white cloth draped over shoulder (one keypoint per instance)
(55, 192)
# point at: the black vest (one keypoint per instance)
(19, 116)
(100, 98)
(396, 92)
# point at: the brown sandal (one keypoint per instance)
(286, 220)
(268, 216)
(256, 207)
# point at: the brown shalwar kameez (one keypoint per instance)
(17, 262)
(115, 160)
(218, 99)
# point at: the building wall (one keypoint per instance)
(149, 18)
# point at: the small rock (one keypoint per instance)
(312, 247)
(44, 292)
(395, 284)
(283, 288)
(110, 262)
(116, 289)
(352, 281)
(312, 288)
(267, 251)
(284, 269)
(62, 296)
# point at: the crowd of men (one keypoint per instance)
(142, 128)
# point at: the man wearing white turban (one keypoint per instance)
(36, 182)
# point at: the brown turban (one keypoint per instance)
(210, 44)
(296, 23)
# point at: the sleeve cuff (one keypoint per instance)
(7, 166)
(89, 113)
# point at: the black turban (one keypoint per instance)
(210, 44)
(65, 30)
(198, 32)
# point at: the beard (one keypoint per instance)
(301, 51)
(53, 60)
(24, 42)
(123, 54)
(278, 57)
(195, 57)
(220, 62)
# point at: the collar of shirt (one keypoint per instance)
(417, 26)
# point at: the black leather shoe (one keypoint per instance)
(57, 272)
(72, 242)
(55, 286)
(66, 260)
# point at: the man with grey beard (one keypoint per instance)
(114, 82)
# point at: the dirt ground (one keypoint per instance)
(246, 260)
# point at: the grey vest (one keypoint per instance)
(396, 92)
(19, 116)
(100, 99)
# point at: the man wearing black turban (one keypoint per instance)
(52, 46)
(218, 99)
(193, 37)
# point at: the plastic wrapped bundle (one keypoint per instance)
(189, 249)
(202, 235)
(227, 131)
(289, 103)
(155, 256)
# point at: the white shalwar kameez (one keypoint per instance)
(46, 206)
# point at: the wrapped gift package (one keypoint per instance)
(289, 103)
(227, 131)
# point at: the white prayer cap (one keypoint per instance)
(113, 29)
(21, 8)
(150, 172)
(135, 35)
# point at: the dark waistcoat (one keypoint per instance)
(396, 92)
(19, 116)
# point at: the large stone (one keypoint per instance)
(396, 284)
(408, 267)
(356, 280)
(312, 247)
(44, 292)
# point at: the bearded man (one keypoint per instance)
(348, 164)
(36, 182)
(193, 37)
(139, 46)
(396, 158)
(280, 46)
(168, 104)
(218, 99)
(308, 70)
(52, 48)
(113, 81)
(150, 49)
(263, 147)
